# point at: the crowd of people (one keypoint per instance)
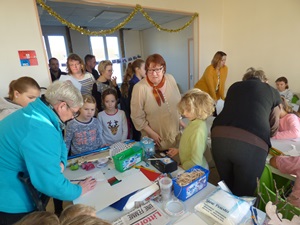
(85, 110)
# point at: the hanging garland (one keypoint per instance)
(137, 9)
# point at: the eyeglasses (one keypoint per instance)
(157, 70)
(75, 114)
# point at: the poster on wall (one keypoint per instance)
(28, 58)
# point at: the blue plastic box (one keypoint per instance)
(185, 192)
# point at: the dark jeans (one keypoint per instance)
(11, 218)
(136, 135)
(58, 206)
(239, 164)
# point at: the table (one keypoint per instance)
(111, 214)
(288, 147)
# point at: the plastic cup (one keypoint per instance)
(165, 185)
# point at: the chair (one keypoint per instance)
(267, 192)
(40, 200)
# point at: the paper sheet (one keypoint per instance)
(104, 195)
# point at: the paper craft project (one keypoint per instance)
(104, 194)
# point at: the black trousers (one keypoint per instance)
(239, 164)
(11, 218)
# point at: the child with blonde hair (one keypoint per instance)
(21, 92)
(84, 133)
(85, 220)
(73, 211)
(196, 106)
(39, 217)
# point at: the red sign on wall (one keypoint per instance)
(28, 58)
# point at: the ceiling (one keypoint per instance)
(95, 15)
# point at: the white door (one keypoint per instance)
(191, 62)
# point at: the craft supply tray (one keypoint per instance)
(187, 191)
(128, 158)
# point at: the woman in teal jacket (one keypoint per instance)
(31, 142)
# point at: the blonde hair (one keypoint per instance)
(217, 58)
(76, 210)
(102, 65)
(86, 220)
(63, 91)
(22, 85)
(87, 98)
(40, 217)
(198, 103)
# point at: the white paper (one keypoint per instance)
(104, 195)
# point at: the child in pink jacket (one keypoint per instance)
(289, 123)
(289, 165)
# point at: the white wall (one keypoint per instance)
(20, 30)
(173, 47)
(80, 44)
(263, 34)
(132, 44)
(253, 33)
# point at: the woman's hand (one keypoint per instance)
(114, 81)
(172, 152)
(87, 185)
(153, 135)
(157, 139)
(62, 167)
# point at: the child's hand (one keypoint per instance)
(172, 152)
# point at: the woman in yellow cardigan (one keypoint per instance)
(214, 77)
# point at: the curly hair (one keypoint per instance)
(198, 103)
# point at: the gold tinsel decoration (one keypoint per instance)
(137, 9)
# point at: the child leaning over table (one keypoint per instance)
(289, 122)
(196, 106)
(289, 165)
(84, 133)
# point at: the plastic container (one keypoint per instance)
(185, 192)
(165, 184)
(128, 158)
(148, 146)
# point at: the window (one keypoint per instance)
(107, 48)
(58, 50)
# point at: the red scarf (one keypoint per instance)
(156, 92)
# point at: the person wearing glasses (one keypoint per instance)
(31, 142)
(154, 105)
(105, 81)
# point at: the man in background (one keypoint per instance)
(54, 69)
(90, 63)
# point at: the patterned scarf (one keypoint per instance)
(156, 92)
